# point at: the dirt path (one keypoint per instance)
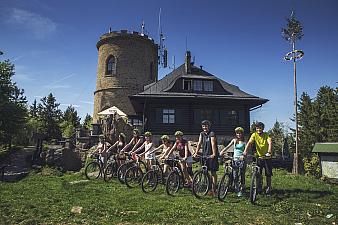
(18, 164)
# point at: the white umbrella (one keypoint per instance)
(113, 110)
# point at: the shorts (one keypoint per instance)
(212, 164)
(266, 164)
(189, 161)
(149, 156)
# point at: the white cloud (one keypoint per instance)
(87, 102)
(64, 104)
(57, 86)
(39, 25)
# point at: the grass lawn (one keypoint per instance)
(41, 199)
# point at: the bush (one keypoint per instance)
(312, 165)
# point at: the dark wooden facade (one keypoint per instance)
(188, 95)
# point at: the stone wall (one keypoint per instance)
(136, 58)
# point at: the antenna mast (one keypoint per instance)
(162, 50)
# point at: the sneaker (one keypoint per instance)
(268, 191)
(239, 194)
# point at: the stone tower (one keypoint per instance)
(126, 63)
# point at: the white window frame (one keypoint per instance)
(168, 116)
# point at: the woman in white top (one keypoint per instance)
(148, 147)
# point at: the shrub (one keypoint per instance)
(312, 165)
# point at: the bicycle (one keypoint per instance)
(226, 180)
(111, 168)
(133, 176)
(121, 171)
(201, 181)
(256, 181)
(175, 179)
(95, 168)
(152, 177)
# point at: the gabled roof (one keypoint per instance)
(326, 147)
(161, 88)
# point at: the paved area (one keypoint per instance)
(17, 164)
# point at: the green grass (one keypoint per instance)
(41, 199)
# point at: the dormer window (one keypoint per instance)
(111, 65)
(208, 85)
(187, 85)
(198, 85)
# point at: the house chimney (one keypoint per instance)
(188, 62)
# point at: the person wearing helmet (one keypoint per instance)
(134, 143)
(148, 147)
(181, 145)
(208, 143)
(238, 163)
(165, 146)
(264, 151)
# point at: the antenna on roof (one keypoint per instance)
(143, 27)
(162, 50)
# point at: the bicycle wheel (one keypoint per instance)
(149, 181)
(143, 166)
(224, 186)
(173, 183)
(254, 187)
(121, 171)
(133, 177)
(200, 184)
(110, 171)
(93, 170)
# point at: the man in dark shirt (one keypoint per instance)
(207, 140)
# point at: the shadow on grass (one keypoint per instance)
(278, 195)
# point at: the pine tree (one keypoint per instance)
(50, 117)
(13, 109)
(87, 123)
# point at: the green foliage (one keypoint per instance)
(67, 128)
(294, 29)
(87, 123)
(13, 109)
(318, 119)
(312, 165)
(49, 116)
(280, 139)
(70, 115)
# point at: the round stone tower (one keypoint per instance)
(126, 63)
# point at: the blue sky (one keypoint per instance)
(53, 45)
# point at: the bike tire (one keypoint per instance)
(133, 177)
(224, 186)
(200, 184)
(149, 181)
(121, 171)
(93, 170)
(173, 183)
(110, 171)
(254, 187)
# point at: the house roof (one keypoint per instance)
(161, 88)
(326, 147)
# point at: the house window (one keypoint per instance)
(228, 117)
(208, 85)
(111, 65)
(168, 116)
(187, 85)
(198, 85)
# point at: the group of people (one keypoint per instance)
(207, 146)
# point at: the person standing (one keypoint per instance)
(207, 141)
(264, 151)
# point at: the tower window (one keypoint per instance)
(111, 65)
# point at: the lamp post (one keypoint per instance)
(293, 32)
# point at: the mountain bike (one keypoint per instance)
(130, 162)
(226, 180)
(201, 182)
(133, 176)
(175, 179)
(256, 181)
(111, 168)
(152, 177)
(94, 169)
